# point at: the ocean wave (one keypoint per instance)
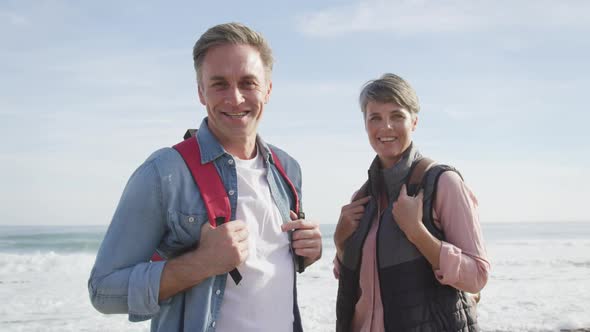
(46, 241)
(553, 263)
(11, 265)
(536, 243)
(580, 264)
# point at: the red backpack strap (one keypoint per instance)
(210, 186)
(300, 214)
(284, 175)
(205, 176)
(208, 180)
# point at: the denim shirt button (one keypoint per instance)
(213, 324)
(231, 192)
(231, 161)
(217, 292)
(191, 219)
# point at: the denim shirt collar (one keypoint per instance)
(211, 149)
(264, 149)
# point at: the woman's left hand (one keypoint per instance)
(407, 212)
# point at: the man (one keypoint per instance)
(162, 209)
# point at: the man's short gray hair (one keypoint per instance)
(231, 33)
(390, 88)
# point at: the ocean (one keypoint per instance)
(540, 280)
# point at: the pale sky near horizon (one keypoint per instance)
(89, 89)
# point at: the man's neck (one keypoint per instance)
(244, 148)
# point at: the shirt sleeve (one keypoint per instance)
(123, 280)
(463, 259)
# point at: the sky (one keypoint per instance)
(89, 89)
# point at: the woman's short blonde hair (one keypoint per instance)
(390, 88)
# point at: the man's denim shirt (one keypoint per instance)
(161, 208)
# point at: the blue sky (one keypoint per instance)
(89, 89)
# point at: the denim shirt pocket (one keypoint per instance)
(184, 232)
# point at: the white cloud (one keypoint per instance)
(84, 81)
(447, 16)
(13, 19)
(317, 88)
(488, 97)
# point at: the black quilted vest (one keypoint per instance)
(413, 300)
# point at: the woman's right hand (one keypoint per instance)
(348, 222)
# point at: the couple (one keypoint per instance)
(167, 254)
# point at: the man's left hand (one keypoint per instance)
(307, 238)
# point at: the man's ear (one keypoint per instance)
(267, 96)
(201, 95)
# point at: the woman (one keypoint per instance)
(405, 262)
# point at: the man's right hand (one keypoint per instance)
(348, 222)
(223, 247)
(220, 250)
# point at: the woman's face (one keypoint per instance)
(390, 128)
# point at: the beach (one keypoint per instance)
(539, 282)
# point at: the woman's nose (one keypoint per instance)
(389, 124)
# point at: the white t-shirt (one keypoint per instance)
(263, 301)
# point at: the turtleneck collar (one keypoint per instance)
(390, 180)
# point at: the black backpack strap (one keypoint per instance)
(190, 133)
(430, 185)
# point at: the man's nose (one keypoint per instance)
(234, 96)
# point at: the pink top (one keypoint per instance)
(463, 262)
(368, 312)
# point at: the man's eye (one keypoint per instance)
(249, 84)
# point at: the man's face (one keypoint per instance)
(234, 88)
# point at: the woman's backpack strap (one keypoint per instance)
(416, 179)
